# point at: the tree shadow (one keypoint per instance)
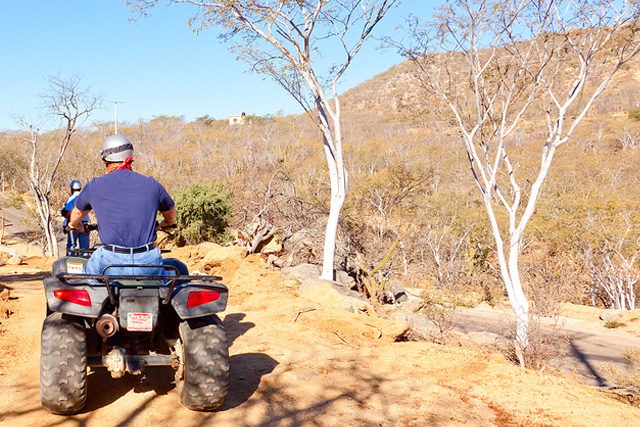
(234, 327)
(20, 277)
(245, 373)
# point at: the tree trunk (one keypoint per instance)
(338, 192)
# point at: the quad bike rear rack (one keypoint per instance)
(109, 280)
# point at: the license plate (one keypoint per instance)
(139, 322)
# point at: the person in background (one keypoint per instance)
(125, 204)
(76, 239)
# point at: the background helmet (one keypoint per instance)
(75, 185)
(116, 148)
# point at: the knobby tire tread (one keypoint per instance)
(206, 364)
(63, 365)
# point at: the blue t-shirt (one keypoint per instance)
(68, 206)
(126, 204)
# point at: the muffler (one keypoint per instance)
(107, 326)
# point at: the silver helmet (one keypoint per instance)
(116, 148)
(75, 185)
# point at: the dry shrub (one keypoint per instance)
(549, 281)
(440, 308)
(543, 347)
(629, 380)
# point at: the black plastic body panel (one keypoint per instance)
(97, 293)
(181, 295)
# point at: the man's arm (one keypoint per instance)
(169, 217)
(75, 221)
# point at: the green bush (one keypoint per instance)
(203, 212)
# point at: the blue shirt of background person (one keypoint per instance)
(76, 239)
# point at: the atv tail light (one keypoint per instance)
(201, 297)
(79, 297)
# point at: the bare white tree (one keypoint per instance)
(293, 42)
(492, 62)
(615, 270)
(72, 106)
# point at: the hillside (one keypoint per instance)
(398, 93)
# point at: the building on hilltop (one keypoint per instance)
(237, 120)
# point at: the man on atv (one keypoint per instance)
(126, 204)
(76, 239)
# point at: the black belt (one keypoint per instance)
(121, 250)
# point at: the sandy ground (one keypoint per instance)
(329, 367)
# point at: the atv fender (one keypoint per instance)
(181, 297)
(97, 294)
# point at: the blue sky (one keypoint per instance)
(156, 66)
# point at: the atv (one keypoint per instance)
(126, 322)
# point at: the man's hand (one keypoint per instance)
(169, 218)
(75, 221)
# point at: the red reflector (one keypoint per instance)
(201, 297)
(79, 297)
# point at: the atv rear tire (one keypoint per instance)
(63, 365)
(205, 373)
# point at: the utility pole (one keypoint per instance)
(116, 120)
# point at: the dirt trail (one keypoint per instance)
(329, 367)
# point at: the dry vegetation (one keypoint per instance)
(406, 179)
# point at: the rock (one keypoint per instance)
(420, 328)
(397, 291)
(275, 261)
(303, 271)
(2, 262)
(311, 282)
(357, 305)
(324, 293)
(15, 260)
(273, 245)
(301, 248)
(321, 292)
(343, 278)
(486, 339)
(4, 295)
(219, 253)
(610, 315)
(412, 304)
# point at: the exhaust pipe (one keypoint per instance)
(107, 326)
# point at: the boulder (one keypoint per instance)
(610, 315)
(321, 292)
(15, 260)
(273, 245)
(219, 253)
(420, 328)
(274, 261)
(303, 271)
(325, 293)
(343, 278)
(487, 339)
(311, 282)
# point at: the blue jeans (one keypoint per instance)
(77, 240)
(102, 257)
